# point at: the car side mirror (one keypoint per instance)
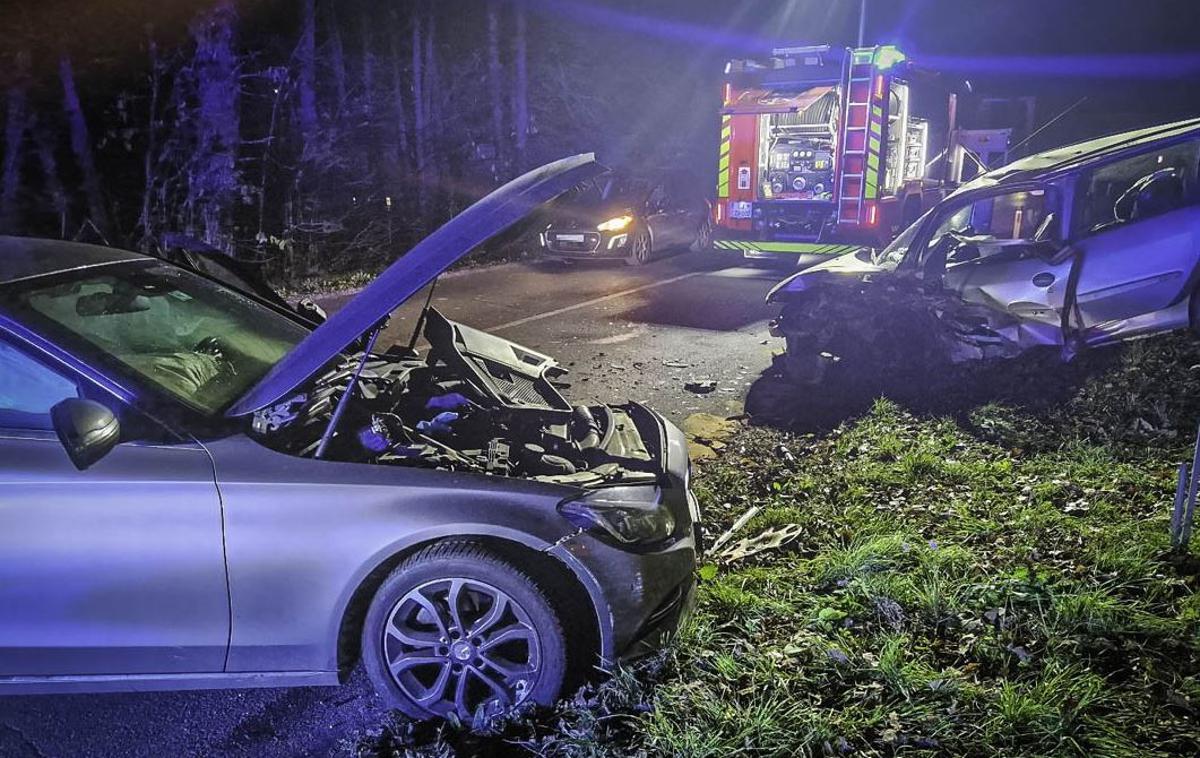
(87, 430)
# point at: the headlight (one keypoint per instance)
(615, 224)
(622, 513)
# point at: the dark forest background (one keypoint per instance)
(313, 135)
(321, 136)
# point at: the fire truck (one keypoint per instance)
(821, 152)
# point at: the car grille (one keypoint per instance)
(555, 242)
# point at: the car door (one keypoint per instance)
(659, 219)
(116, 570)
(686, 208)
(1003, 257)
(1138, 234)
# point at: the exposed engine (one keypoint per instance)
(475, 402)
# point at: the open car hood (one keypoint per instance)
(484, 220)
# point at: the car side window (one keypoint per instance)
(1138, 187)
(28, 390)
(991, 224)
(658, 198)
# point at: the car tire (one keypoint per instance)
(499, 646)
(704, 238)
(641, 249)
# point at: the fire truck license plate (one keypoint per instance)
(740, 209)
(570, 237)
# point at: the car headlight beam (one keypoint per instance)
(615, 224)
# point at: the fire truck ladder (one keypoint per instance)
(855, 139)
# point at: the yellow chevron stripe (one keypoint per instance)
(798, 248)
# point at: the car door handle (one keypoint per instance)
(1043, 279)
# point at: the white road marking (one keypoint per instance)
(594, 301)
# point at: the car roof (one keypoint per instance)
(1081, 154)
(30, 257)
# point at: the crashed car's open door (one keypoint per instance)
(1002, 249)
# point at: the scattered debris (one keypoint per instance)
(770, 539)
(737, 525)
(676, 364)
(700, 386)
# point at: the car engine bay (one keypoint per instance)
(474, 402)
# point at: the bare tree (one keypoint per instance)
(214, 181)
(16, 124)
(81, 146)
(495, 83)
(521, 89)
(306, 54)
(44, 142)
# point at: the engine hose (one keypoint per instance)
(584, 428)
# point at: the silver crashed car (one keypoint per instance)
(202, 489)
(1080, 246)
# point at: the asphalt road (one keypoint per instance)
(624, 333)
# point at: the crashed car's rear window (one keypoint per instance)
(1105, 185)
(166, 328)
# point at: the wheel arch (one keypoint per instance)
(571, 589)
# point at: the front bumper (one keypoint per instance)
(591, 245)
(645, 595)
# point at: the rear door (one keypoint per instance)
(116, 570)
(1137, 261)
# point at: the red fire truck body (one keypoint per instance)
(820, 153)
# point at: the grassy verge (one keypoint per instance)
(996, 582)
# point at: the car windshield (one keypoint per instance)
(167, 328)
(609, 190)
(895, 252)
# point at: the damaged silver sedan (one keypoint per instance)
(200, 488)
(1077, 247)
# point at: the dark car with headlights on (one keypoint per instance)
(616, 217)
(202, 489)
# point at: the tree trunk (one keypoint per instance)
(81, 146)
(306, 55)
(494, 75)
(435, 163)
(521, 90)
(368, 65)
(44, 140)
(145, 221)
(16, 124)
(398, 111)
(214, 182)
(418, 82)
(337, 58)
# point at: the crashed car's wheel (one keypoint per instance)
(455, 631)
(640, 249)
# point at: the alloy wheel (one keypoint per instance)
(461, 646)
(641, 248)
